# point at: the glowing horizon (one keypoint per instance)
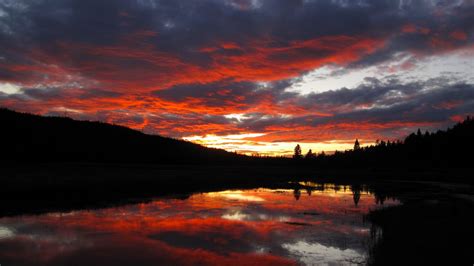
(243, 144)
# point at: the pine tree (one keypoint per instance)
(356, 145)
(298, 154)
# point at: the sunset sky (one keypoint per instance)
(243, 75)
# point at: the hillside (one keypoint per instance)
(33, 138)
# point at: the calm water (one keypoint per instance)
(322, 224)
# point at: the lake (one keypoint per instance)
(321, 223)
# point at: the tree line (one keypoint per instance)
(443, 148)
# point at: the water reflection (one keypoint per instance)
(260, 226)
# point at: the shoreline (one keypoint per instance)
(43, 187)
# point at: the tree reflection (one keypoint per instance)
(356, 193)
(297, 193)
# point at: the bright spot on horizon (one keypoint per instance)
(243, 144)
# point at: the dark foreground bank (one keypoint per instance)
(426, 230)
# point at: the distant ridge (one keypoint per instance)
(34, 138)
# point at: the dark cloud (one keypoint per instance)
(185, 26)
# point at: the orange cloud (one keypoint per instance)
(333, 131)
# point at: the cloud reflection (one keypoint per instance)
(251, 227)
(309, 253)
(235, 195)
(6, 233)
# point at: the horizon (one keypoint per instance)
(247, 76)
(290, 153)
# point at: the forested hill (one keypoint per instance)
(33, 138)
(451, 148)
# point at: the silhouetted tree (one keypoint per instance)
(356, 145)
(310, 154)
(298, 154)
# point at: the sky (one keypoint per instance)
(251, 76)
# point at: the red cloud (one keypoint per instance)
(137, 65)
(268, 60)
(411, 28)
(459, 35)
